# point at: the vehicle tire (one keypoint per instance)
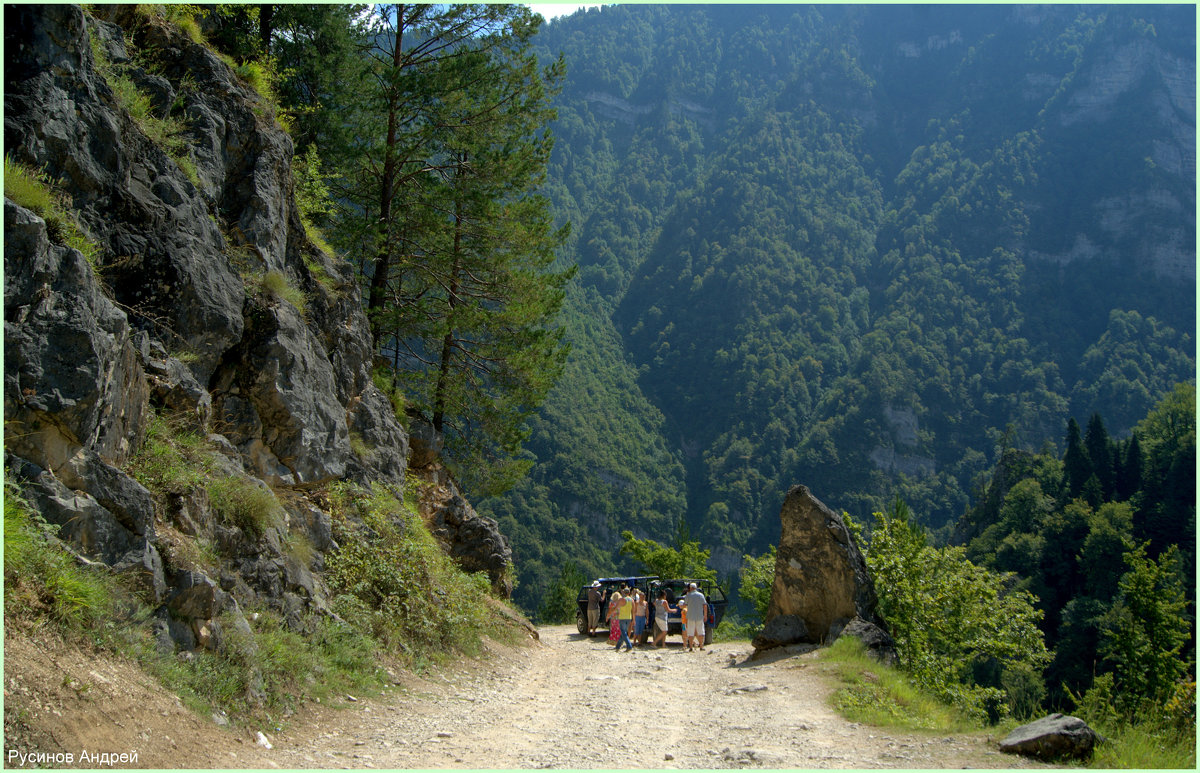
(581, 621)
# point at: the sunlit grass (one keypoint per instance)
(876, 694)
(33, 190)
(275, 285)
(42, 579)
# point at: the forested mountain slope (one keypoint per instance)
(857, 247)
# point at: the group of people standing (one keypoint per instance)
(629, 615)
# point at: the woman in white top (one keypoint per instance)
(661, 610)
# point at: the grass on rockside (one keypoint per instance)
(395, 581)
(275, 285)
(175, 459)
(33, 190)
(876, 694)
(384, 380)
(167, 132)
(41, 579)
(261, 677)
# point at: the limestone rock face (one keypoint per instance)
(72, 378)
(275, 389)
(475, 542)
(167, 253)
(821, 577)
(174, 316)
(426, 443)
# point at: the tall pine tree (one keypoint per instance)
(1077, 468)
(1100, 453)
(461, 243)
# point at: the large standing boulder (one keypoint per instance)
(1052, 737)
(821, 577)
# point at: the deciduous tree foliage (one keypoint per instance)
(757, 578)
(958, 627)
(685, 560)
(1146, 630)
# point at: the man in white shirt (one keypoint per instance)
(697, 610)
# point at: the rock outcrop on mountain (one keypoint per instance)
(822, 589)
(177, 321)
(475, 542)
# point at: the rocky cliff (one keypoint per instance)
(203, 310)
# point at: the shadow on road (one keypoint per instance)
(763, 657)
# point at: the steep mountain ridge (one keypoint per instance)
(879, 241)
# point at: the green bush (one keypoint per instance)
(396, 582)
(758, 577)
(1152, 737)
(559, 604)
(958, 627)
(732, 628)
(1146, 629)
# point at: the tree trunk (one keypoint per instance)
(439, 399)
(377, 297)
(266, 15)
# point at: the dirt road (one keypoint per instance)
(564, 702)
(573, 702)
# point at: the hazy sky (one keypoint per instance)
(550, 10)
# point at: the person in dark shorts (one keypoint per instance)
(595, 595)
